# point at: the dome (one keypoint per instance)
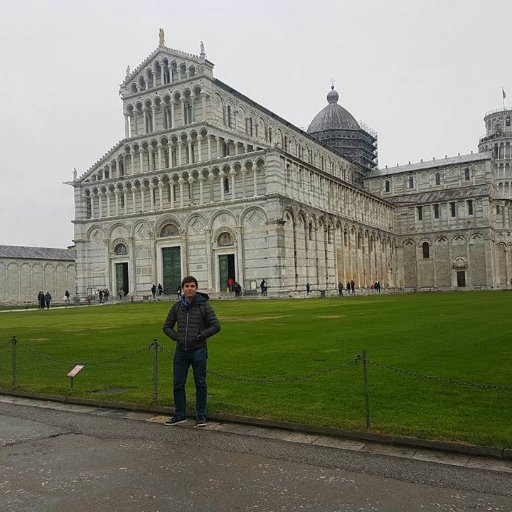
(333, 116)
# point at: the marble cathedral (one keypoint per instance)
(208, 182)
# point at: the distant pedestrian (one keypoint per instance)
(231, 282)
(66, 297)
(47, 300)
(178, 292)
(340, 289)
(100, 295)
(153, 292)
(353, 287)
(160, 289)
(263, 287)
(308, 288)
(40, 300)
(377, 286)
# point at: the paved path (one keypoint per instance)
(59, 457)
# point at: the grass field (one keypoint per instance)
(454, 336)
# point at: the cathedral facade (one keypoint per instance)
(208, 182)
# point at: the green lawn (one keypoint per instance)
(455, 336)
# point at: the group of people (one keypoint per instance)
(44, 299)
(233, 286)
(103, 295)
(157, 289)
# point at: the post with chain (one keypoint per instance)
(155, 346)
(14, 342)
(366, 392)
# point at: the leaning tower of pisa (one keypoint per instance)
(498, 139)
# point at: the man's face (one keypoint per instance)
(190, 291)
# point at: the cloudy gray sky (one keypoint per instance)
(421, 73)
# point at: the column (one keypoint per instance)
(116, 195)
(131, 162)
(179, 162)
(159, 156)
(180, 182)
(100, 204)
(126, 126)
(199, 149)
(92, 206)
(161, 195)
(172, 185)
(218, 145)
(125, 196)
(211, 177)
(255, 179)
(221, 180)
(182, 101)
(232, 172)
(191, 185)
(151, 197)
(244, 174)
(150, 159)
(208, 138)
(201, 179)
(203, 106)
(141, 159)
(240, 255)
(190, 155)
(108, 202)
(141, 198)
(133, 200)
(173, 117)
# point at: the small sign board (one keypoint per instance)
(75, 370)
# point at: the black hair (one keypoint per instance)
(189, 279)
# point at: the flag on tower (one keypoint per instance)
(504, 93)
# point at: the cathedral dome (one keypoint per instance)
(333, 116)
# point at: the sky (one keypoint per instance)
(421, 73)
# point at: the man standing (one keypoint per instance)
(196, 322)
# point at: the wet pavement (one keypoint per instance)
(58, 457)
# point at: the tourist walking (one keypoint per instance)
(340, 289)
(153, 292)
(263, 287)
(47, 300)
(190, 322)
(353, 287)
(40, 300)
(160, 289)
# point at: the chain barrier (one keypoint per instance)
(9, 343)
(293, 378)
(92, 363)
(408, 373)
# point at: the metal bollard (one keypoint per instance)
(366, 392)
(155, 346)
(14, 341)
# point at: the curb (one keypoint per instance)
(355, 435)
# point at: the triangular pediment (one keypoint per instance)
(149, 73)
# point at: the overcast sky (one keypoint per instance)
(422, 73)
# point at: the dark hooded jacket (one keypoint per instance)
(196, 322)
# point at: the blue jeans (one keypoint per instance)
(182, 361)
